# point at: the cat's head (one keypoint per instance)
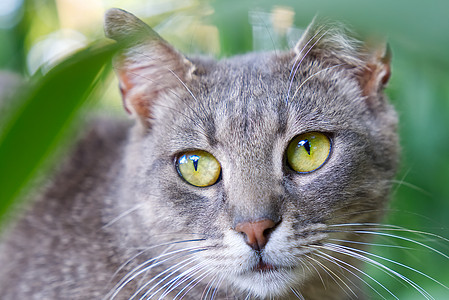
(262, 157)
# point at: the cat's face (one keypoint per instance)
(219, 155)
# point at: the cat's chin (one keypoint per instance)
(266, 281)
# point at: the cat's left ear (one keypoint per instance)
(331, 43)
(376, 72)
(147, 68)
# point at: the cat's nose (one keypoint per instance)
(256, 233)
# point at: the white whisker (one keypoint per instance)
(389, 227)
(183, 277)
(220, 281)
(171, 271)
(330, 273)
(208, 287)
(339, 262)
(127, 212)
(135, 272)
(371, 244)
(297, 294)
(396, 263)
(304, 263)
(192, 284)
(302, 58)
(313, 75)
(400, 238)
(352, 253)
(300, 52)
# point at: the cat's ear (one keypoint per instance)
(332, 43)
(148, 67)
(376, 71)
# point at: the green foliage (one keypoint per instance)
(39, 123)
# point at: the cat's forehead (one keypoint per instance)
(261, 89)
(251, 101)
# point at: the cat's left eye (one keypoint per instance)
(308, 152)
(199, 168)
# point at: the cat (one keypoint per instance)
(249, 177)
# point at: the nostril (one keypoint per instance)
(256, 233)
(268, 231)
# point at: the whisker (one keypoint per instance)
(350, 252)
(183, 84)
(313, 75)
(390, 227)
(170, 272)
(127, 212)
(220, 281)
(304, 263)
(297, 294)
(192, 284)
(150, 248)
(357, 212)
(330, 273)
(134, 273)
(334, 260)
(397, 263)
(302, 58)
(412, 186)
(208, 287)
(371, 244)
(183, 277)
(300, 52)
(402, 182)
(400, 238)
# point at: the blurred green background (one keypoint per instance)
(38, 39)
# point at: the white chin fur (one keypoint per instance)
(266, 284)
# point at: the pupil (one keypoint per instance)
(305, 144)
(195, 159)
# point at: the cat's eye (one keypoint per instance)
(199, 168)
(308, 152)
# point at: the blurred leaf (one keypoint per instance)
(39, 123)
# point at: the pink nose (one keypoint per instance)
(256, 233)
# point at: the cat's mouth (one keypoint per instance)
(264, 267)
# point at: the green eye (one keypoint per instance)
(307, 152)
(198, 168)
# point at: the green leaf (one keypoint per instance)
(37, 125)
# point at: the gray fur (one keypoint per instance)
(120, 193)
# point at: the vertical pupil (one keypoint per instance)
(305, 144)
(195, 159)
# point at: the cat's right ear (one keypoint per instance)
(148, 67)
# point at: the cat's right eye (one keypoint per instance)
(199, 168)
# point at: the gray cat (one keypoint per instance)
(244, 178)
